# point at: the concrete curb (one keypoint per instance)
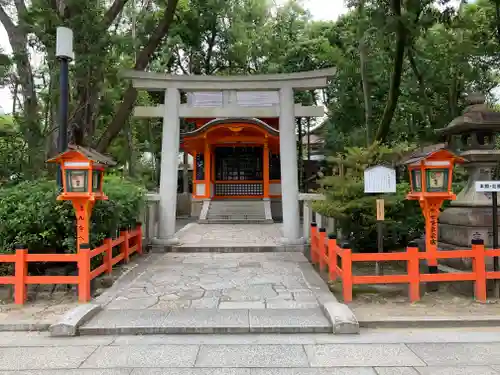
(339, 315)
(26, 327)
(430, 322)
(69, 323)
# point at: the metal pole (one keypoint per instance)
(308, 151)
(63, 111)
(495, 241)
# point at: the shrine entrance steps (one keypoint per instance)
(236, 211)
(231, 238)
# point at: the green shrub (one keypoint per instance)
(30, 214)
(355, 211)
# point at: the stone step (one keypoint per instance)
(231, 248)
(207, 321)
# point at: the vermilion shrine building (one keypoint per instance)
(244, 144)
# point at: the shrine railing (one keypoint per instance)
(128, 242)
(326, 252)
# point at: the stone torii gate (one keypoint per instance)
(173, 110)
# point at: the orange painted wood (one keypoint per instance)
(207, 170)
(125, 246)
(321, 250)
(8, 258)
(108, 255)
(84, 275)
(379, 257)
(8, 280)
(347, 281)
(448, 254)
(493, 275)
(117, 258)
(117, 241)
(314, 232)
(132, 249)
(21, 277)
(466, 276)
(386, 279)
(96, 272)
(98, 250)
(480, 284)
(414, 273)
(332, 259)
(492, 252)
(52, 279)
(52, 257)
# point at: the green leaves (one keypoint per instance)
(30, 214)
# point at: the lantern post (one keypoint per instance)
(82, 178)
(431, 184)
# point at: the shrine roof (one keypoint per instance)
(427, 152)
(232, 120)
(88, 153)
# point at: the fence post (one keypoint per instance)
(139, 237)
(346, 271)
(108, 255)
(314, 232)
(480, 269)
(321, 248)
(125, 244)
(84, 273)
(413, 268)
(332, 256)
(20, 274)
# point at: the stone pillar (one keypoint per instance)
(307, 219)
(169, 165)
(289, 168)
(185, 173)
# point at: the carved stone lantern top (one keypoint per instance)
(474, 132)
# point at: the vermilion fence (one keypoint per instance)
(128, 242)
(326, 252)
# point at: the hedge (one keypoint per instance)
(30, 214)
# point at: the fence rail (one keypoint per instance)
(129, 242)
(327, 252)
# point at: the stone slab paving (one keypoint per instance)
(213, 292)
(373, 352)
(228, 235)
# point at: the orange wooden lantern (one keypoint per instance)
(431, 175)
(82, 176)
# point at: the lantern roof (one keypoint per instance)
(87, 153)
(436, 152)
(476, 116)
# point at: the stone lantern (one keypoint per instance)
(472, 136)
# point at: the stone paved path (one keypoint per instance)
(222, 235)
(377, 352)
(241, 292)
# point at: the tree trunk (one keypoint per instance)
(363, 61)
(141, 63)
(427, 110)
(394, 89)
(30, 124)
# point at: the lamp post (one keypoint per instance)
(64, 53)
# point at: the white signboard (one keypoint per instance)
(380, 179)
(488, 186)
